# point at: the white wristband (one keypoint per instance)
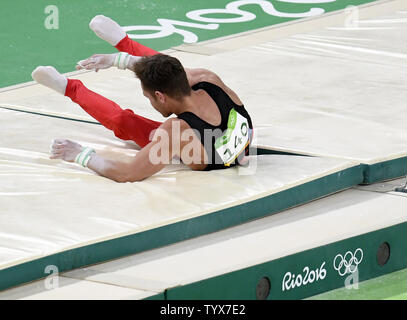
(84, 157)
(121, 60)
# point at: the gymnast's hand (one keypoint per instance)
(97, 62)
(65, 149)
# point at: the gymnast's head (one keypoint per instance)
(163, 80)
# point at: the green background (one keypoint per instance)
(25, 42)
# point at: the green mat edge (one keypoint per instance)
(372, 173)
(241, 284)
(384, 170)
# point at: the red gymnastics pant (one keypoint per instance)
(125, 124)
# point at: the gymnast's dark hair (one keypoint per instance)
(163, 73)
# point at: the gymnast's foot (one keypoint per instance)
(107, 29)
(51, 78)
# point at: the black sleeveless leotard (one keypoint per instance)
(229, 142)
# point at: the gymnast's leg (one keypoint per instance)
(110, 31)
(125, 124)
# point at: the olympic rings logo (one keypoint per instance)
(349, 262)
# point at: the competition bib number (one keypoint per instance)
(234, 140)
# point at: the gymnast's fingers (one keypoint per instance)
(55, 155)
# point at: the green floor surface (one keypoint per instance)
(392, 286)
(28, 40)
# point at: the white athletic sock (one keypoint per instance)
(107, 29)
(51, 78)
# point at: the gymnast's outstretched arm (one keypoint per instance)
(148, 161)
(124, 60)
(141, 166)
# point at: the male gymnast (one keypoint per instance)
(211, 130)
